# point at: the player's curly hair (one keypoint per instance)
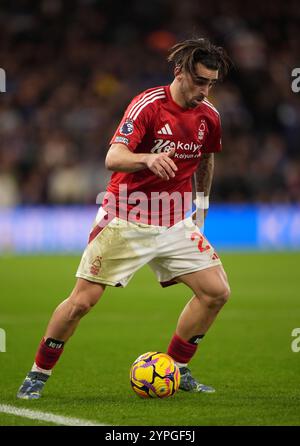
(189, 52)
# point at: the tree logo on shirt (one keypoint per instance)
(95, 266)
(202, 129)
(127, 127)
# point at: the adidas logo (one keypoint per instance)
(165, 130)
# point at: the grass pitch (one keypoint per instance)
(246, 354)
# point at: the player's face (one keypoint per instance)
(194, 89)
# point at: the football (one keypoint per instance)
(154, 375)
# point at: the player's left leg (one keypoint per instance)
(211, 293)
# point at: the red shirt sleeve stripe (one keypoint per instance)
(143, 99)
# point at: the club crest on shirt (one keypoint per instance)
(202, 130)
(127, 127)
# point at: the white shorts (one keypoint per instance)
(121, 248)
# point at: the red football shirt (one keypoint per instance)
(153, 123)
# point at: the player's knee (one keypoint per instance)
(224, 295)
(80, 304)
(218, 296)
(78, 309)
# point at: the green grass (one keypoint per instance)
(246, 355)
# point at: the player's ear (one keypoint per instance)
(178, 71)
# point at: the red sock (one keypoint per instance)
(180, 350)
(46, 357)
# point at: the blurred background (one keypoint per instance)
(72, 67)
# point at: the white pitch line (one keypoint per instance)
(46, 416)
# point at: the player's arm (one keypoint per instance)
(203, 181)
(120, 159)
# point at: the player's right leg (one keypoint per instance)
(111, 258)
(61, 326)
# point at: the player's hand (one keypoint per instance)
(162, 165)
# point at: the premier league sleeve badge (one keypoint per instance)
(127, 127)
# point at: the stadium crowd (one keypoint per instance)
(73, 66)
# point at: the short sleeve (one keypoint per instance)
(132, 128)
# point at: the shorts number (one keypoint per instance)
(201, 241)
